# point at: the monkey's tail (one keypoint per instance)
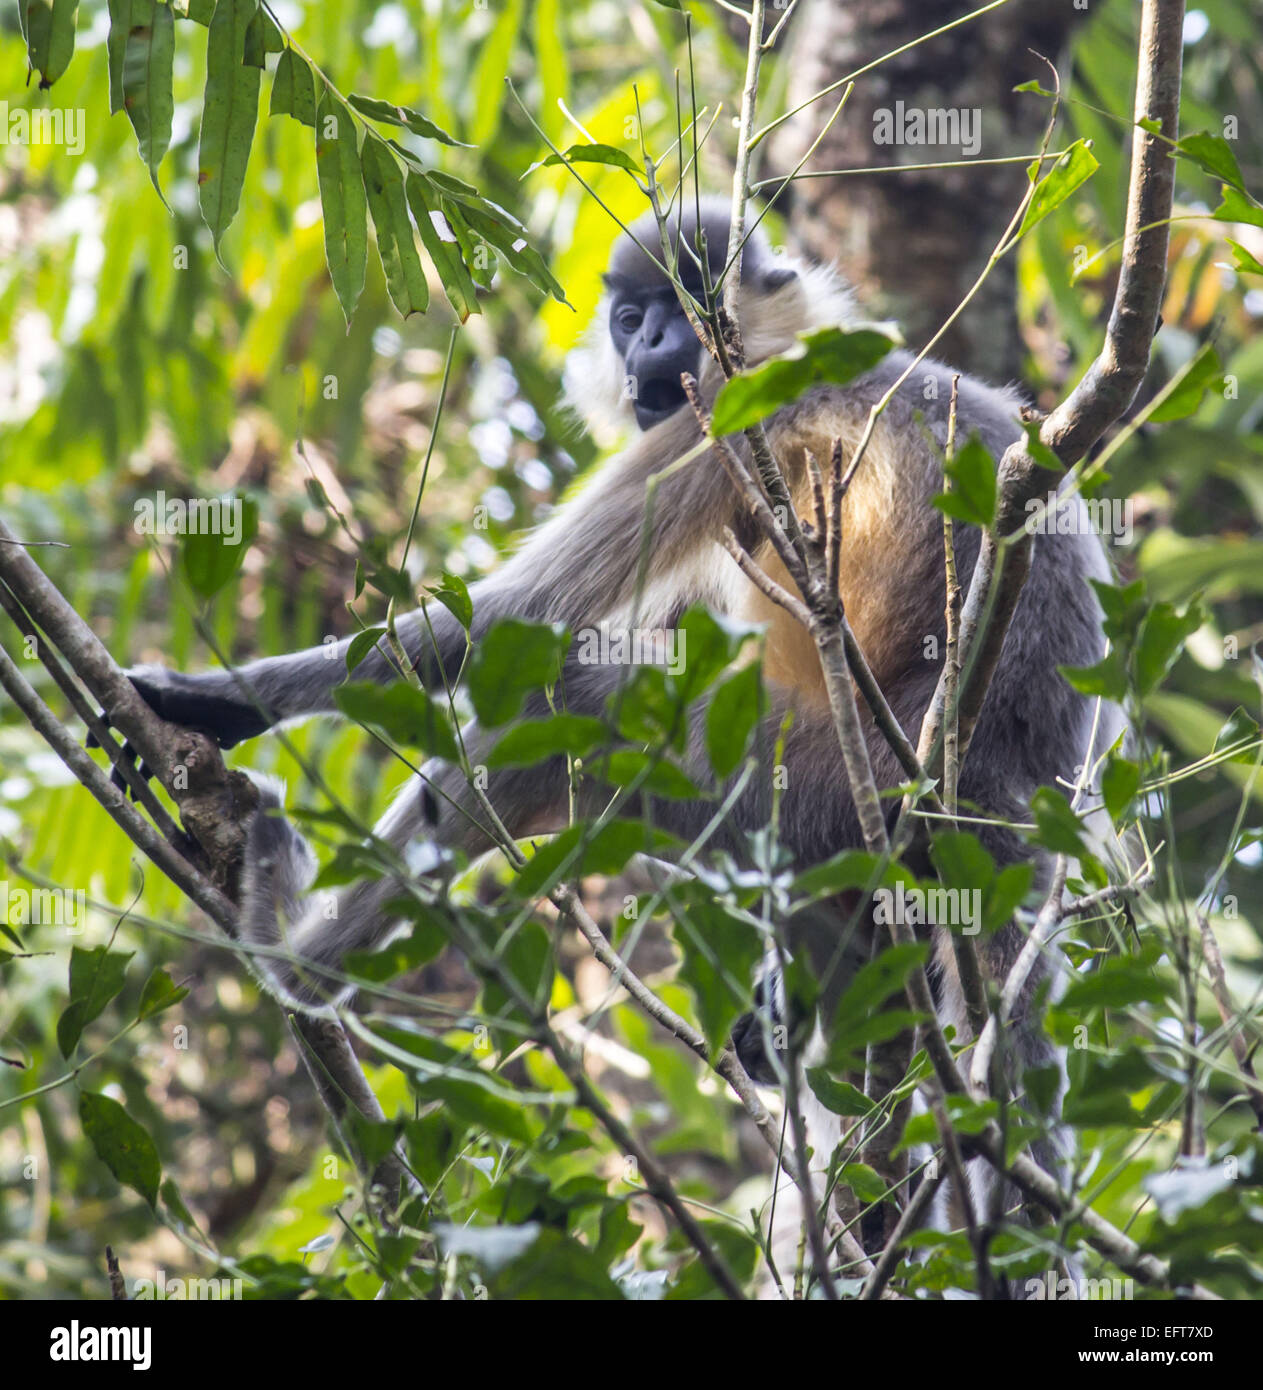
(277, 872)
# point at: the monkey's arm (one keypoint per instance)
(579, 568)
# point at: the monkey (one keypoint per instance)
(582, 568)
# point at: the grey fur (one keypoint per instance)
(580, 569)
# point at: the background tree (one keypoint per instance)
(151, 350)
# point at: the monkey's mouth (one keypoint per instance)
(658, 398)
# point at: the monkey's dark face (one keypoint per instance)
(657, 344)
(648, 328)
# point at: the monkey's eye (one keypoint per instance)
(629, 319)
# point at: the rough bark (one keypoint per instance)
(913, 243)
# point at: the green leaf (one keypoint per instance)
(1101, 1087)
(1246, 262)
(962, 860)
(403, 116)
(1238, 207)
(852, 868)
(121, 1144)
(529, 960)
(591, 154)
(160, 992)
(1108, 678)
(49, 26)
(860, 1017)
(1124, 608)
(618, 1233)
(294, 89)
(605, 851)
(536, 740)
(145, 65)
(706, 646)
(405, 714)
(1202, 372)
(966, 1117)
(396, 242)
(966, 867)
(554, 1267)
(229, 112)
(174, 1203)
(1213, 154)
(865, 1182)
(1161, 639)
(834, 355)
(730, 718)
(719, 952)
(426, 939)
(1056, 826)
(1070, 172)
(361, 644)
(342, 199)
(211, 557)
(655, 776)
(1240, 729)
(96, 976)
(453, 593)
(1005, 893)
(120, 12)
(503, 231)
(973, 476)
(1187, 1187)
(1120, 782)
(838, 1096)
(441, 245)
(734, 1246)
(475, 251)
(514, 657)
(1115, 984)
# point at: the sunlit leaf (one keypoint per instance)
(833, 355)
(1213, 154)
(147, 58)
(1070, 172)
(441, 245)
(293, 89)
(230, 110)
(342, 199)
(396, 243)
(591, 154)
(49, 26)
(403, 116)
(972, 498)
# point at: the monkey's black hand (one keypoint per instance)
(187, 701)
(751, 1031)
(748, 1043)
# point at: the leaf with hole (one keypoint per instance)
(230, 109)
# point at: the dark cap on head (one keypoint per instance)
(759, 267)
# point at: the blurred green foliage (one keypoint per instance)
(138, 360)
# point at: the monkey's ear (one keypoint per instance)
(778, 278)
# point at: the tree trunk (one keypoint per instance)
(913, 243)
